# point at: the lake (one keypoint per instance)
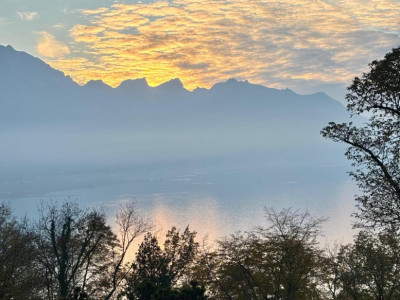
(215, 197)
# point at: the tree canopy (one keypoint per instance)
(160, 271)
(374, 147)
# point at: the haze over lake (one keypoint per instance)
(211, 158)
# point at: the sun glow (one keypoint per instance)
(206, 41)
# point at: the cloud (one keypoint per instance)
(58, 26)
(192, 66)
(49, 47)
(27, 15)
(275, 43)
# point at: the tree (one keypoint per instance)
(74, 246)
(331, 270)
(19, 276)
(374, 148)
(130, 226)
(370, 268)
(296, 257)
(187, 292)
(180, 250)
(159, 271)
(79, 254)
(207, 270)
(281, 261)
(241, 273)
(149, 270)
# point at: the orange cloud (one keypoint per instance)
(49, 47)
(204, 41)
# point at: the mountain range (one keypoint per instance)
(48, 119)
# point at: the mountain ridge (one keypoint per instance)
(48, 118)
(134, 85)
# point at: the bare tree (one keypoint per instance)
(73, 246)
(78, 250)
(130, 226)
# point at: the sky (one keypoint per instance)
(305, 45)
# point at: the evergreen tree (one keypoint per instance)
(159, 271)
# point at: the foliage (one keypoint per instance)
(295, 256)
(157, 270)
(188, 292)
(370, 268)
(281, 261)
(74, 246)
(374, 148)
(19, 276)
(79, 254)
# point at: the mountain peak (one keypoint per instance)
(175, 84)
(231, 81)
(9, 50)
(234, 81)
(8, 47)
(138, 83)
(200, 89)
(96, 84)
(21, 66)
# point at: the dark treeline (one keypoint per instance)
(72, 253)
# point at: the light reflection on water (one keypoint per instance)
(214, 204)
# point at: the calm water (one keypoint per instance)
(213, 199)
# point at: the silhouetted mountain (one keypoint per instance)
(98, 85)
(46, 117)
(19, 70)
(173, 85)
(139, 84)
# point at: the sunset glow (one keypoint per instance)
(289, 43)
